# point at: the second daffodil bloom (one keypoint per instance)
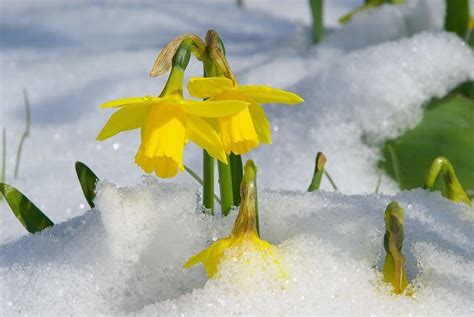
(246, 129)
(166, 123)
(244, 235)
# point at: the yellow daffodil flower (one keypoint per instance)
(244, 235)
(246, 129)
(166, 123)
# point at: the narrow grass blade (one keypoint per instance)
(333, 184)
(88, 181)
(30, 216)
(199, 180)
(25, 134)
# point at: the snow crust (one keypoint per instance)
(126, 256)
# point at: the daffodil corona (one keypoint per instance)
(244, 235)
(166, 123)
(246, 129)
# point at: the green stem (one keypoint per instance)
(225, 185)
(317, 13)
(208, 181)
(237, 174)
(25, 134)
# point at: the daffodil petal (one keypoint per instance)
(205, 87)
(261, 123)
(132, 101)
(214, 109)
(201, 133)
(211, 256)
(267, 94)
(124, 119)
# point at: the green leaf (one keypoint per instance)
(393, 268)
(30, 216)
(447, 129)
(320, 161)
(457, 17)
(88, 180)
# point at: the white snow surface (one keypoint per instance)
(126, 257)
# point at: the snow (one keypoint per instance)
(126, 256)
(365, 83)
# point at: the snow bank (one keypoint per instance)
(126, 256)
(352, 106)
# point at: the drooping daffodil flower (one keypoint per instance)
(166, 123)
(244, 236)
(245, 130)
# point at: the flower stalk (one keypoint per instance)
(454, 189)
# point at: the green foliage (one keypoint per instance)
(457, 17)
(393, 267)
(30, 216)
(447, 129)
(318, 24)
(88, 181)
(369, 4)
(453, 189)
(320, 161)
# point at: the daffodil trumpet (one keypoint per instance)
(454, 190)
(167, 122)
(244, 233)
(393, 267)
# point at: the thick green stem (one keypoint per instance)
(457, 17)
(208, 181)
(237, 174)
(225, 185)
(317, 13)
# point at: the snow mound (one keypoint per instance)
(353, 105)
(388, 23)
(126, 256)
